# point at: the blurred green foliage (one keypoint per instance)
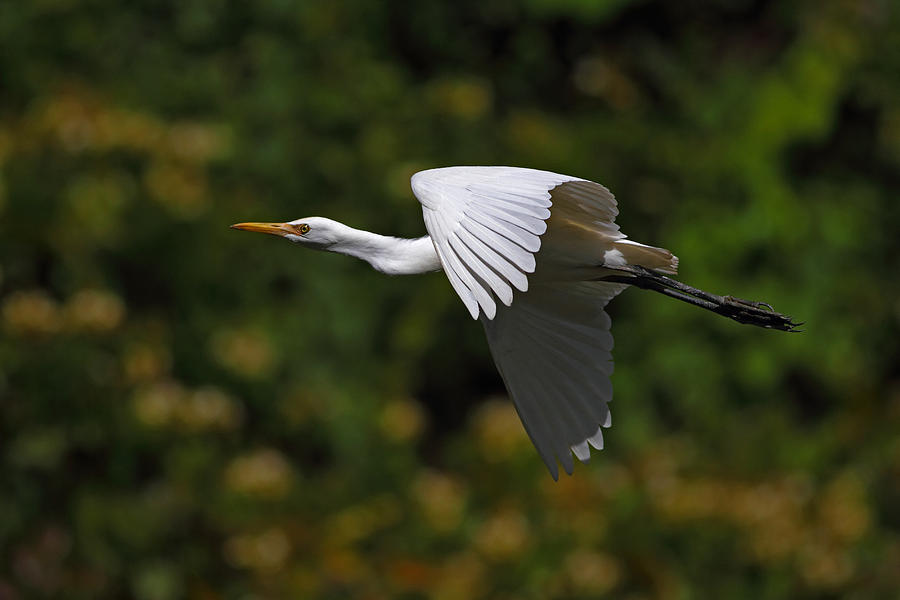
(188, 412)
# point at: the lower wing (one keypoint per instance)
(553, 349)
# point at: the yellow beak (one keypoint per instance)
(281, 229)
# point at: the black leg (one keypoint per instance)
(742, 311)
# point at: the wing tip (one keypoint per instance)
(596, 440)
(473, 310)
(567, 463)
(582, 451)
(490, 310)
(551, 465)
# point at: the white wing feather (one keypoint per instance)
(486, 224)
(553, 349)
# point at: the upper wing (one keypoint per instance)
(486, 224)
(553, 349)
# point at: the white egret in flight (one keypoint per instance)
(536, 256)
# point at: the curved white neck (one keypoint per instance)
(390, 255)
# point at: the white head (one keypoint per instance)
(316, 232)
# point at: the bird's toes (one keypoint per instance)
(750, 303)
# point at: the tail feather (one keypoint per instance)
(650, 257)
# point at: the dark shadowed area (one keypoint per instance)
(188, 411)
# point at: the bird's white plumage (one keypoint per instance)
(486, 224)
(553, 349)
(550, 337)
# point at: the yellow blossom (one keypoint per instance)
(498, 431)
(167, 403)
(402, 420)
(156, 405)
(843, 509)
(247, 352)
(179, 187)
(263, 473)
(461, 98)
(358, 522)
(592, 572)
(144, 362)
(80, 121)
(461, 577)
(94, 311)
(441, 500)
(93, 209)
(31, 313)
(344, 566)
(504, 536)
(824, 566)
(196, 142)
(266, 551)
(209, 408)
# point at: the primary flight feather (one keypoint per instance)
(536, 256)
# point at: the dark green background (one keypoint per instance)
(188, 411)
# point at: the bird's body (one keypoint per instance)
(536, 256)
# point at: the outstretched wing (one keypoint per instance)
(553, 349)
(486, 224)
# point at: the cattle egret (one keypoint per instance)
(536, 256)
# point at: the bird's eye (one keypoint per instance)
(303, 228)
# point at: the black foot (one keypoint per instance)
(760, 314)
